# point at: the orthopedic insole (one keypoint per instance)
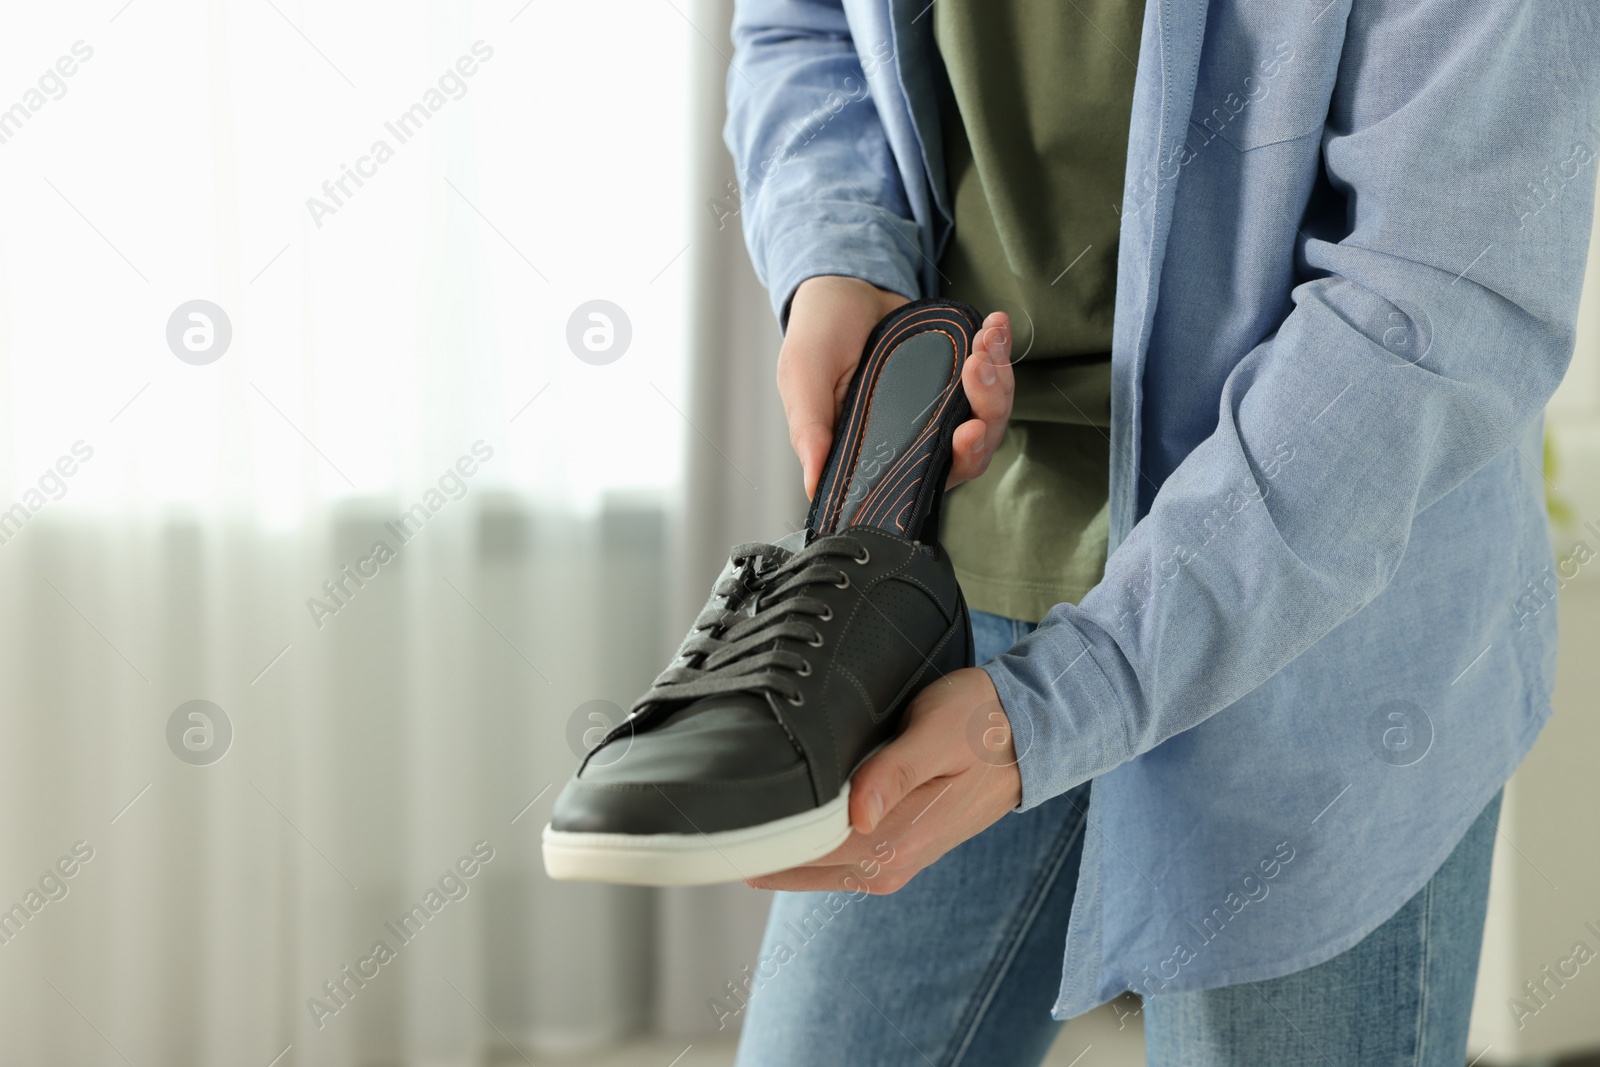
(892, 445)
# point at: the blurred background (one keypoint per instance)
(380, 388)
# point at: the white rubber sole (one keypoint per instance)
(698, 859)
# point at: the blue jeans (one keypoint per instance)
(961, 966)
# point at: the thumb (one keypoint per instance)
(893, 773)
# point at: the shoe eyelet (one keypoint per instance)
(843, 582)
(793, 701)
(827, 613)
(865, 557)
(805, 669)
(817, 643)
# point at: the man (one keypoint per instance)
(1275, 639)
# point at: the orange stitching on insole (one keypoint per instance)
(888, 485)
(890, 489)
(869, 387)
(957, 346)
(870, 505)
(908, 465)
(835, 503)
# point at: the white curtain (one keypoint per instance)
(410, 363)
(180, 521)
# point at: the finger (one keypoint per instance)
(811, 442)
(808, 381)
(829, 321)
(989, 380)
(838, 879)
(969, 453)
(861, 855)
(912, 759)
(804, 879)
(990, 385)
(881, 861)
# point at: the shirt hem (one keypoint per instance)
(1018, 598)
(1066, 1008)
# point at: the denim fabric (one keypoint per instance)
(1352, 240)
(960, 966)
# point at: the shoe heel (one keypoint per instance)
(959, 651)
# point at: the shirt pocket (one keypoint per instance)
(1267, 71)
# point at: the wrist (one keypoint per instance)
(835, 288)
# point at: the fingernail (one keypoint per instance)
(977, 447)
(986, 373)
(874, 809)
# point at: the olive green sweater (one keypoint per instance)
(1035, 122)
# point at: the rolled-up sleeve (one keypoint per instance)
(819, 190)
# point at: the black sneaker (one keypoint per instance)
(737, 762)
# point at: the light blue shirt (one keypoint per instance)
(1352, 242)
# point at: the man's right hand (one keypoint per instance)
(830, 319)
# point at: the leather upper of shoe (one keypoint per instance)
(792, 674)
(808, 649)
(714, 764)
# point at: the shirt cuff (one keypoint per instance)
(846, 239)
(1066, 719)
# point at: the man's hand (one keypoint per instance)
(950, 774)
(830, 319)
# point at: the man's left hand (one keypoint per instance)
(950, 774)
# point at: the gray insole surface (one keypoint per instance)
(914, 376)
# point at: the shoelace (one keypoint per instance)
(731, 648)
